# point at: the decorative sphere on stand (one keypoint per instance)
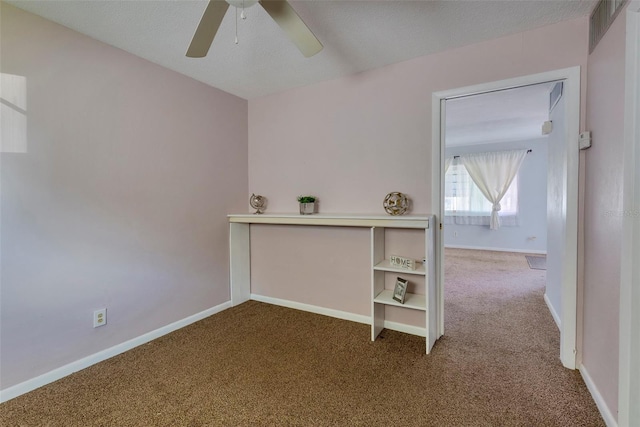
(257, 202)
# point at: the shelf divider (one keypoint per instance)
(385, 265)
(412, 301)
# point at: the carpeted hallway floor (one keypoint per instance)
(264, 365)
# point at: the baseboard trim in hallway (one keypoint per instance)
(608, 417)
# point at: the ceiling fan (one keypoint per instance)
(281, 12)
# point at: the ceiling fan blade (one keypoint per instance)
(207, 28)
(287, 18)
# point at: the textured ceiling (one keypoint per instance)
(357, 35)
(506, 115)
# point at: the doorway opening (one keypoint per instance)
(561, 172)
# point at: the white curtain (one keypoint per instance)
(447, 163)
(493, 174)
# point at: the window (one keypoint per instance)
(465, 204)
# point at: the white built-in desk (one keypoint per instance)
(240, 261)
(336, 220)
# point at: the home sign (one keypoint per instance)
(402, 262)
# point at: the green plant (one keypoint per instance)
(306, 199)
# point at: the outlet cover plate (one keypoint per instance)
(100, 317)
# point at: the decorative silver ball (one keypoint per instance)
(396, 203)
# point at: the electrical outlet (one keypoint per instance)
(100, 317)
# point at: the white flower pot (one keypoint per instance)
(307, 208)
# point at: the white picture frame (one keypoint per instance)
(400, 290)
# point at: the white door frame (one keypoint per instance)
(571, 77)
(629, 372)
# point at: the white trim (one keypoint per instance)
(85, 362)
(571, 77)
(407, 329)
(437, 191)
(338, 314)
(569, 314)
(335, 220)
(629, 368)
(607, 416)
(239, 262)
(486, 248)
(554, 314)
(344, 315)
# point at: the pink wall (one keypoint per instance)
(352, 140)
(328, 267)
(321, 268)
(118, 200)
(603, 211)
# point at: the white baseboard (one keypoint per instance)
(554, 314)
(85, 362)
(483, 248)
(608, 417)
(345, 315)
(407, 329)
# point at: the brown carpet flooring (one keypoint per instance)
(264, 365)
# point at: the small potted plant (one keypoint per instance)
(307, 205)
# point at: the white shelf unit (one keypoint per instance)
(240, 263)
(382, 297)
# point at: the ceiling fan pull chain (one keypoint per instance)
(236, 25)
(279, 11)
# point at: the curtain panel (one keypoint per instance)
(493, 173)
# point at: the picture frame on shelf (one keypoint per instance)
(400, 290)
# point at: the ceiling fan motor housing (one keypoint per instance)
(242, 3)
